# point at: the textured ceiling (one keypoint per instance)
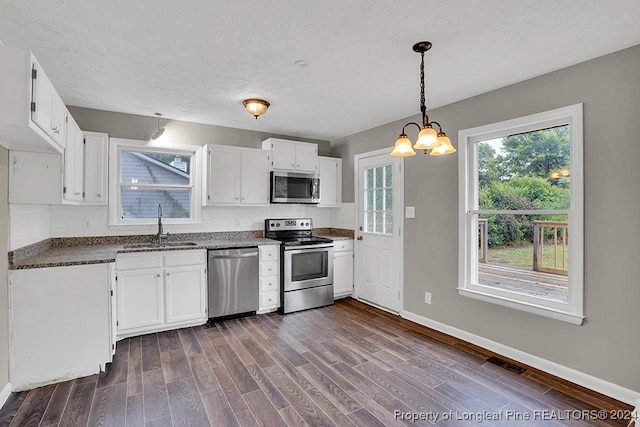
(196, 60)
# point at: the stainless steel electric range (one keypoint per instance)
(306, 272)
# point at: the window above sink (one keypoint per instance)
(143, 175)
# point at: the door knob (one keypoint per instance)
(359, 238)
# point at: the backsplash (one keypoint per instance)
(28, 224)
(33, 223)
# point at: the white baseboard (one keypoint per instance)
(597, 384)
(4, 394)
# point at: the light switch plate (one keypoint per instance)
(410, 212)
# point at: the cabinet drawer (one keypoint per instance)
(269, 268)
(343, 245)
(269, 252)
(139, 261)
(269, 283)
(269, 299)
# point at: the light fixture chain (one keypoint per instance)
(423, 107)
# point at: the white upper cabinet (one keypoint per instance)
(292, 155)
(330, 182)
(85, 166)
(96, 147)
(73, 163)
(236, 176)
(32, 114)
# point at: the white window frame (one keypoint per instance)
(118, 145)
(573, 310)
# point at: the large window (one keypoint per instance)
(145, 180)
(521, 217)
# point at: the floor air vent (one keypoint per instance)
(506, 365)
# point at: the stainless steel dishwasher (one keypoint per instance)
(232, 282)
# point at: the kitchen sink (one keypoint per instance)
(160, 245)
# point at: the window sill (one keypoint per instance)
(565, 316)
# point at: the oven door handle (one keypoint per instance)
(307, 248)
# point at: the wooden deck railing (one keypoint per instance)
(558, 231)
(483, 227)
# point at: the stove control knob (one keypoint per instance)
(271, 225)
(277, 224)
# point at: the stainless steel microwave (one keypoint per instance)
(293, 187)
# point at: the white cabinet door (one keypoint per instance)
(307, 157)
(34, 178)
(59, 115)
(283, 154)
(292, 155)
(95, 168)
(157, 291)
(223, 170)
(236, 176)
(342, 268)
(42, 99)
(59, 323)
(330, 182)
(185, 290)
(30, 109)
(254, 179)
(73, 163)
(140, 300)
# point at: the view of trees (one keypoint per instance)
(517, 172)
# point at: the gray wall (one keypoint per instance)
(607, 345)
(121, 125)
(4, 266)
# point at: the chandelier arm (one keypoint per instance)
(411, 123)
(438, 124)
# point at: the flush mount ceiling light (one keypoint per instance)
(160, 130)
(428, 139)
(256, 107)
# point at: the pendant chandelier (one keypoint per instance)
(428, 139)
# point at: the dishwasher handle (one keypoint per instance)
(231, 256)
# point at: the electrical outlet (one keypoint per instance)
(87, 225)
(236, 222)
(427, 297)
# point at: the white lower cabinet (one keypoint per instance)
(269, 278)
(60, 323)
(342, 268)
(158, 291)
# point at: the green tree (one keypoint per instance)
(536, 153)
(489, 165)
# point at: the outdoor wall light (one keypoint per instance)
(428, 139)
(256, 107)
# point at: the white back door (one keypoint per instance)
(378, 249)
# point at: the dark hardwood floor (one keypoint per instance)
(343, 365)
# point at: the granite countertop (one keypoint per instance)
(59, 252)
(334, 233)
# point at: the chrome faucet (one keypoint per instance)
(160, 234)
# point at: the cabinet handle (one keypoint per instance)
(99, 195)
(168, 274)
(56, 130)
(76, 194)
(157, 275)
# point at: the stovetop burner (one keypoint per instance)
(292, 232)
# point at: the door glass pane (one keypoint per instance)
(378, 200)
